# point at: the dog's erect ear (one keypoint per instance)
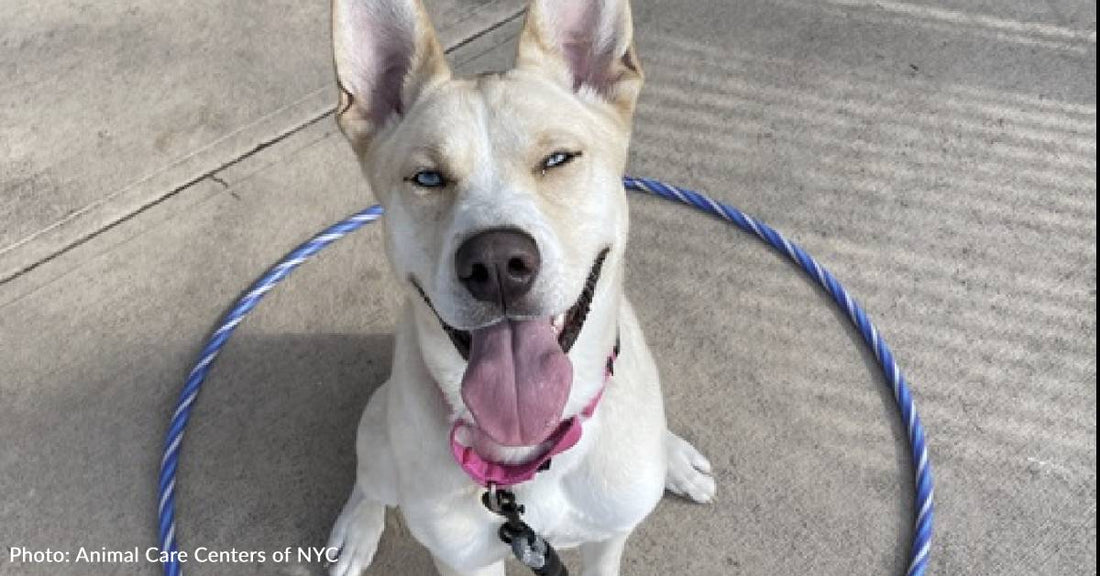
(386, 54)
(588, 44)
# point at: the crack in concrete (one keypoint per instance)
(219, 181)
(211, 175)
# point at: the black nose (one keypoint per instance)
(498, 266)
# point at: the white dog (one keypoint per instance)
(506, 223)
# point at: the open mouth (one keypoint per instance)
(568, 324)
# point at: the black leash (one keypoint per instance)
(532, 550)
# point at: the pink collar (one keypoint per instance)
(487, 473)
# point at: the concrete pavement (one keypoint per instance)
(939, 156)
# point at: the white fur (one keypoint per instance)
(488, 137)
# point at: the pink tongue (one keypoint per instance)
(517, 381)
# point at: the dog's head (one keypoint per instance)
(505, 211)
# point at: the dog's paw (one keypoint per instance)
(689, 472)
(356, 535)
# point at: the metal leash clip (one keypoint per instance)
(532, 550)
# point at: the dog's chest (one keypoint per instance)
(571, 513)
(565, 511)
(576, 501)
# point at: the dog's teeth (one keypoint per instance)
(558, 322)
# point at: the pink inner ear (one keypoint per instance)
(387, 97)
(577, 27)
(391, 50)
(383, 44)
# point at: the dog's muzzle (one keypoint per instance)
(518, 375)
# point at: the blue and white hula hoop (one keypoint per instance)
(920, 551)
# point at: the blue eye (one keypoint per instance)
(559, 159)
(429, 179)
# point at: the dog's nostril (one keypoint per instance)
(479, 274)
(518, 268)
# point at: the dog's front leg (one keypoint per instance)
(356, 534)
(603, 558)
(360, 525)
(690, 474)
(445, 570)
